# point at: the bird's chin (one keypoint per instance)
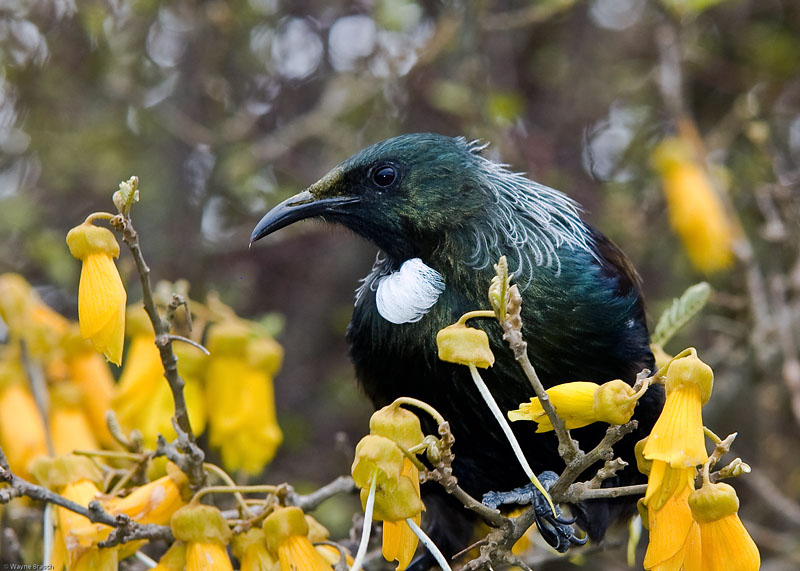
(300, 207)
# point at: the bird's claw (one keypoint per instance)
(555, 528)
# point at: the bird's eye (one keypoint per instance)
(384, 176)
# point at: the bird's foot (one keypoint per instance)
(556, 529)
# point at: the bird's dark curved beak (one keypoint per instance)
(298, 207)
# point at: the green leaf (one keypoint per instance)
(680, 312)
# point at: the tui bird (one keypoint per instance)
(441, 214)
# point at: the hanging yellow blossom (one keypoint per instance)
(154, 502)
(75, 543)
(396, 497)
(695, 210)
(286, 531)
(69, 425)
(205, 533)
(664, 482)
(250, 547)
(674, 536)
(241, 402)
(726, 545)
(101, 295)
(91, 375)
(581, 403)
(399, 541)
(22, 432)
(677, 437)
(403, 427)
(464, 345)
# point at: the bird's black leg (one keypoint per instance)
(554, 528)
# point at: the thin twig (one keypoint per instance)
(191, 458)
(175, 337)
(310, 502)
(603, 451)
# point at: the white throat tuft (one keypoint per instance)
(406, 295)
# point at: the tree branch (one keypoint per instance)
(125, 530)
(190, 457)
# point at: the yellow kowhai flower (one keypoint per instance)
(75, 542)
(582, 403)
(89, 372)
(403, 427)
(174, 558)
(673, 534)
(286, 531)
(22, 432)
(317, 533)
(664, 482)
(397, 495)
(250, 547)
(241, 401)
(142, 398)
(399, 541)
(154, 502)
(677, 436)
(205, 533)
(696, 212)
(70, 429)
(101, 295)
(464, 345)
(726, 545)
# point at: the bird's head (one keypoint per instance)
(403, 194)
(417, 194)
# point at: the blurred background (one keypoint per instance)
(223, 109)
